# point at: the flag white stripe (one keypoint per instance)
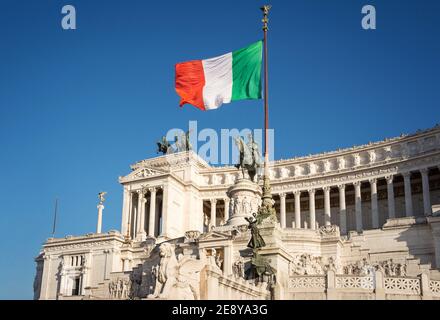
(218, 81)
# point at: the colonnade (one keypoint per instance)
(141, 213)
(311, 223)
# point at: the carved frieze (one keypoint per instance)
(81, 245)
(306, 264)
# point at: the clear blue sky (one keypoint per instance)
(78, 107)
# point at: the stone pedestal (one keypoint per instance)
(277, 256)
(245, 198)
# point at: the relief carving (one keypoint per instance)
(306, 264)
(120, 289)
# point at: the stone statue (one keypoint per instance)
(256, 240)
(167, 271)
(238, 268)
(112, 289)
(250, 158)
(101, 197)
(177, 279)
(218, 260)
(164, 146)
(120, 288)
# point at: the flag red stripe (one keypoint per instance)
(189, 83)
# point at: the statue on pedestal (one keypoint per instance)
(256, 240)
(261, 268)
(101, 197)
(250, 158)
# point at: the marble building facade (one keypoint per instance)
(356, 223)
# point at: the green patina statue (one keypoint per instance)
(250, 158)
(163, 146)
(256, 240)
(261, 267)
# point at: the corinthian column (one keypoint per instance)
(298, 209)
(141, 215)
(358, 205)
(213, 212)
(152, 217)
(390, 192)
(327, 212)
(312, 209)
(408, 195)
(374, 206)
(139, 212)
(342, 210)
(143, 232)
(283, 210)
(125, 210)
(426, 196)
(226, 202)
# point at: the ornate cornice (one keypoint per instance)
(112, 238)
(370, 161)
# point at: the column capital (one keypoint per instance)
(297, 193)
(357, 183)
(226, 199)
(152, 189)
(326, 188)
(406, 174)
(282, 195)
(213, 201)
(341, 187)
(373, 180)
(424, 171)
(311, 191)
(389, 179)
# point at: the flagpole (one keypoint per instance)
(268, 202)
(55, 218)
(265, 20)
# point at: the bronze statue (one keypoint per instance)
(260, 266)
(250, 158)
(164, 146)
(101, 197)
(256, 240)
(183, 142)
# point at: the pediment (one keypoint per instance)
(214, 236)
(142, 173)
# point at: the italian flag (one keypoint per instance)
(207, 84)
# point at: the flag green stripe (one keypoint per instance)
(246, 72)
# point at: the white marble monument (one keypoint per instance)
(356, 223)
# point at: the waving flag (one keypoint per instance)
(207, 84)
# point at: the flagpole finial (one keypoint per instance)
(265, 20)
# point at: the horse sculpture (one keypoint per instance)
(250, 158)
(164, 146)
